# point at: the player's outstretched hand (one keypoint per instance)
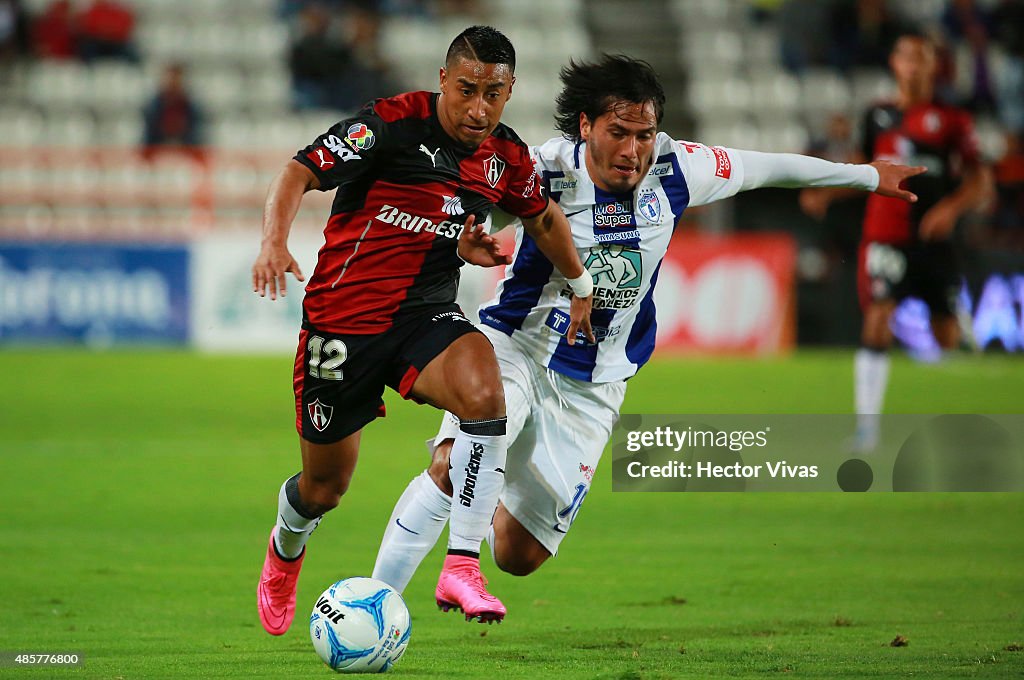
(269, 269)
(891, 175)
(579, 319)
(478, 247)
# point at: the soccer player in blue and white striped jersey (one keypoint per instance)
(623, 186)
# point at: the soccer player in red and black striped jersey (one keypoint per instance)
(416, 176)
(906, 248)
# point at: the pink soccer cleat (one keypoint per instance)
(462, 586)
(275, 595)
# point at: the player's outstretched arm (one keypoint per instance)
(793, 171)
(550, 231)
(283, 199)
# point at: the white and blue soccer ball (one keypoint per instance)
(360, 625)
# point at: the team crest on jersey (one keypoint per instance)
(494, 167)
(359, 137)
(320, 414)
(648, 205)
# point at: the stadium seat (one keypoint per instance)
(823, 90)
(870, 86)
(778, 92)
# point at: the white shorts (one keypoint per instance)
(557, 430)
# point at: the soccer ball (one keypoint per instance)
(360, 625)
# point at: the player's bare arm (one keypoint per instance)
(550, 230)
(283, 199)
(478, 247)
(975, 189)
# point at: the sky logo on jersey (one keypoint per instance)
(649, 206)
(493, 169)
(359, 137)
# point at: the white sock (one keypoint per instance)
(294, 525)
(490, 542)
(478, 474)
(871, 377)
(415, 525)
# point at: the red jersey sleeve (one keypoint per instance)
(346, 151)
(524, 196)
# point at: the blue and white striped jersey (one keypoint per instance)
(621, 239)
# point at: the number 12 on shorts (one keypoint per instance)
(325, 358)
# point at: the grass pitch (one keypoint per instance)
(138, 490)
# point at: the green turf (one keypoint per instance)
(138, 490)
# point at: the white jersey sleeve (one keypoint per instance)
(712, 173)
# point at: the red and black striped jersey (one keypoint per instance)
(934, 135)
(404, 191)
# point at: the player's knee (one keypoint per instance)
(324, 496)
(485, 400)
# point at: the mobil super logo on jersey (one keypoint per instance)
(614, 221)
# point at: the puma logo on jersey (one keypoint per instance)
(433, 160)
(322, 159)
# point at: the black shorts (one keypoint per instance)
(339, 379)
(927, 270)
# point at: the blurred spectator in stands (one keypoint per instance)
(801, 39)
(335, 69)
(172, 119)
(837, 144)
(1008, 33)
(863, 33)
(14, 41)
(318, 61)
(105, 31)
(53, 32)
(968, 26)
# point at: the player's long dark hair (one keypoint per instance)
(484, 44)
(595, 87)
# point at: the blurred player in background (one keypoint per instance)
(416, 176)
(624, 187)
(906, 250)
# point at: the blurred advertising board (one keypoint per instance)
(226, 315)
(727, 294)
(97, 294)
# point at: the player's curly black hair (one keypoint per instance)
(484, 44)
(595, 87)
